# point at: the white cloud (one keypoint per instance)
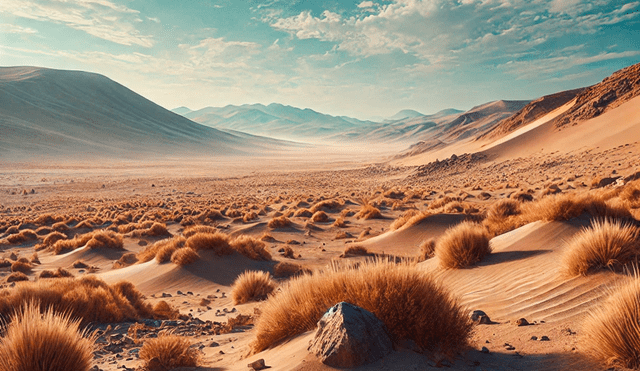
(365, 4)
(99, 18)
(12, 28)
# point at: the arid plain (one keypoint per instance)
(526, 211)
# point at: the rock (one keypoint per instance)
(481, 317)
(606, 181)
(534, 338)
(522, 322)
(544, 338)
(349, 336)
(484, 350)
(258, 365)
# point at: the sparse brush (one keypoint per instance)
(267, 237)
(251, 247)
(164, 310)
(60, 227)
(500, 217)
(327, 205)
(340, 223)
(36, 340)
(286, 269)
(45, 219)
(125, 260)
(53, 237)
(608, 243)
(252, 285)
(161, 250)
(17, 277)
(26, 235)
(355, 250)
(171, 351)
(288, 252)
(21, 266)
(521, 196)
(612, 328)
(409, 302)
(184, 256)
(156, 229)
(342, 235)
(320, 217)
(443, 202)
(216, 242)
(403, 219)
(43, 231)
(279, 222)
(571, 205)
(58, 273)
(303, 213)
(368, 212)
(463, 245)
(250, 216)
(427, 249)
(85, 224)
(105, 240)
(190, 231)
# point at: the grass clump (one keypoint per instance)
(279, 222)
(427, 249)
(403, 219)
(251, 247)
(156, 229)
(161, 250)
(170, 351)
(355, 250)
(105, 240)
(463, 245)
(36, 340)
(608, 243)
(21, 266)
(320, 217)
(286, 269)
(368, 212)
(252, 285)
(190, 231)
(409, 302)
(184, 256)
(612, 328)
(216, 242)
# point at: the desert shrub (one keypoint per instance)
(342, 235)
(340, 223)
(355, 250)
(79, 264)
(184, 256)
(288, 252)
(85, 224)
(286, 269)
(164, 310)
(60, 227)
(427, 249)
(403, 219)
(251, 247)
(105, 240)
(43, 231)
(26, 235)
(216, 242)
(53, 237)
(612, 328)
(320, 217)
(62, 246)
(522, 196)
(88, 298)
(571, 205)
(409, 302)
(45, 219)
(501, 217)
(58, 273)
(36, 340)
(607, 243)
(17, 277)
(463, 245)
(21, 266)
(250, 216)
(327, 205)
(156, 229)
(303, 213)
(252, 285)
(443, 202)
(368, 212)
(171, 351)
(125, 260)
(279, 222)
(161, 250)
(190, 231)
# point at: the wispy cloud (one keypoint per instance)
(100, 18)
(12, 28)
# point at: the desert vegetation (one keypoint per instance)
(463, 245)
(168, 351)
(252, 285)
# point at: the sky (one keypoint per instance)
(363, 59)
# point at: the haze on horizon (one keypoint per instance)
(355, 58)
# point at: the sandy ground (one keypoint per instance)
(521, 279)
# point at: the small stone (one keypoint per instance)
(258, 365)
(522, 322)
(534, 338)
(544, 338)
(484, 350)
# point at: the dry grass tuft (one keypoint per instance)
(612, 328)
(410, 303)
(156, 229)
(279, 222)
(216, 242)
(17, 277)
(26, 235)
(303, 213)
(198, 229)
(327, 205)
(125, 260)
(36, 340)
(53, 237)
(105, 240)
(184, 256)
(607, 243)
(427, 249)
(320, 217)
(252, 285)
(59, 273)
(250, 216)
(171, 351)
(21, 266)
(286, 269)
(161, 250)
(368, 212)
(463, 245)
(403, 219)
(164, 310)
(88, 298)
(251, 247)
(267, 237)
(355, 250)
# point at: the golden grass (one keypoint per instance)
(184, 256)
(88, 298)
(105, 240)
(53, 237)
(26, 235)
(251, 247)
(327, 205)
(368, 212)
(320, 217)
(612, 328)
(190, 231)
(250, 216)
(303, 213)
(161, 250)
(164, 310)
(171, 351)
(156, 229)
(60, 227)
(410, 303)
(286, 269)
(21, 266)
(17, 277)
(58, 273)
(608, 243)
(463, 245)
(403, 219)
(45, 341)
(427, 249)
(125, 260)
(355, 250)
(252, 285)
(216, 242)
(279, 222)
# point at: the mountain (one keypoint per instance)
(275, 120)
(47, 113)
(181, 110)
(405, 114)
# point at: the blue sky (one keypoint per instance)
(354, 58)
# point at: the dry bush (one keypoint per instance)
(125, 260)
(288, 252)
(427, 249)
(607, 243)
(53, 237)
(340, 223)
(60, 227)
(164, 310)
(501, 216)
(409, 302)
(161, 250)
(190, 231)
(36, 340)
(26, 235)
(612, 328)
(88, 298)
(355, 250)
(184, 256)
(17, 277)
(327, 205)
(522, 196)
(105, 240)
(58, 273)
(45, 219)
(156, 229)
(443, 202)
(216, 242)
(403, 219)
(279, 222)
(250, 216)
(303, 213)
(463, 245)
(171, 351)
(12, 230)
(34, 259)
(568, 206)
(79, 264)
(395, 194)
(267, 237)
(251, 247)
(21, 266)
(320, 217)
(286, 269)
(252, 285)
(341, 235)
(368, 212)
(85, 224)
